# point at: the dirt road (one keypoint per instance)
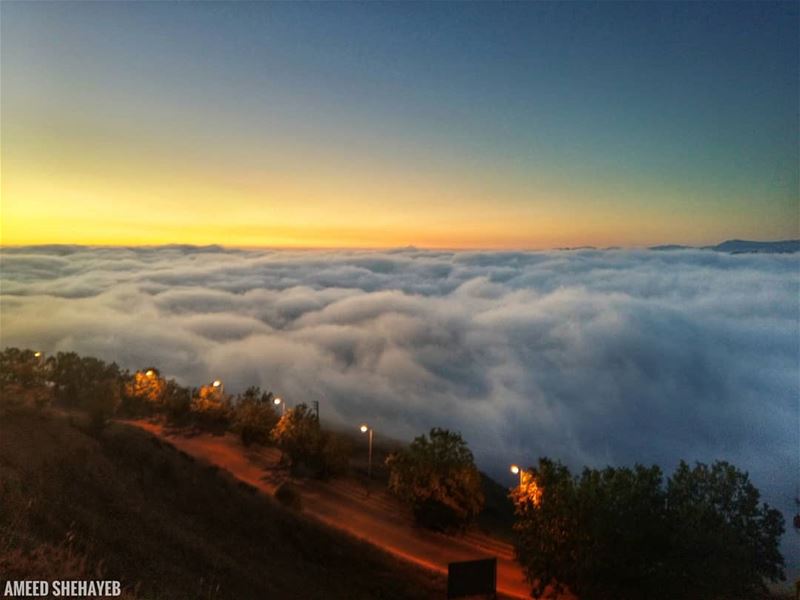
(376, 517)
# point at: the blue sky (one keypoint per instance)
(498, 125)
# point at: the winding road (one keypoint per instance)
(372, 515)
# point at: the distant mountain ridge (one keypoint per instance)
(740, 247)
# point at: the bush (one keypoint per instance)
(101, 402)
(77, 379)
(21, 367)
(618, 533)
(300, 438)
(334, 456)
(177, 402)
(254, 416)
(144, 392)
(211, 408)
(438, 479)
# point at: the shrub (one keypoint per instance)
(289, 496)
(177, 402)
(211, 408)
(298, 435)
(254, 416)
(144, 392)
(101, 402)
(334, 456)
(88, 384)
(438, 479)
(300, 438)
(21, 367)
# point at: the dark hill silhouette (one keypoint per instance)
(740, 247)
(746, 246)
(126, 506)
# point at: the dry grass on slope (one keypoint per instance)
(122, 505)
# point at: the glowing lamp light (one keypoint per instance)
(216, 383)
(149, 372)
(277, 401)
(515, 469)
(37, 354)
(366, 429)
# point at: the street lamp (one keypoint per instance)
(517, 471)
(37, 355)
(218, 384)
(364, 429)
(149, 372)
(282, 402)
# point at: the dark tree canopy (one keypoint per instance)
(21, 367)
(298, 434)
(724, 538)
(143, 392)
(254, 416)
(87, 383)
(211, 407)
(619, 533)
(436, 475)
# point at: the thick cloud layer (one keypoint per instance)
(593, 357)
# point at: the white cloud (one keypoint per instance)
(591, 357)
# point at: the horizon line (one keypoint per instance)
(410, 247)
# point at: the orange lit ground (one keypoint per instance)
(343, 503)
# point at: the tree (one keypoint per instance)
(88, 384)
(22, 379)
(102, 398)
(617, 533)
(437, 477)
(333, 456)
(144, 392)
(67, 376)
(254, 416)
(78, 381)
(177, 402)
(599, 534)
(724, 539)
(21, 367)
(298, 436)
(211, 407)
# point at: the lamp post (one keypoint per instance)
(282, 402)
(39, 364)
(367, 429)
(517, 471)
(218, 384)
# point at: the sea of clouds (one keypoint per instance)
(591, 357)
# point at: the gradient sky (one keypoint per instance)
(438, 125)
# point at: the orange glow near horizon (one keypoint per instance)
(59, 187)
(74, 210)
(113, 133)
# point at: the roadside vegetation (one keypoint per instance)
(437, 477)
(615, 533)
(123, 505)
(625, 533)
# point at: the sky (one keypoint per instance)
(597, 358)
(441, 125)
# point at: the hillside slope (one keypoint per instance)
(124, 505)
